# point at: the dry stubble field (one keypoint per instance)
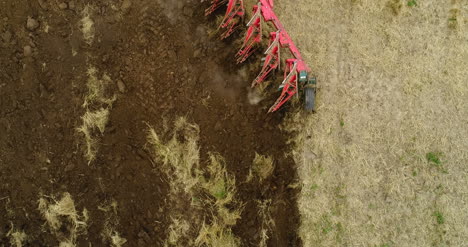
(384, 162)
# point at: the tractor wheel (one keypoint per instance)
(309, 99)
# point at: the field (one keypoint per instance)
(128, 123)
(384, 160)
(124, 123)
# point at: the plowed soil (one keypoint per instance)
(169, 67)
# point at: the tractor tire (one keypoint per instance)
(309, 99)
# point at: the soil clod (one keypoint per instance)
(32, 24)
(27, 51)
(63, 6)
(126, 4)
(42, 4)
(121, 86)
(6, 37)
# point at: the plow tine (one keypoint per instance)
(292, 75)
(285, 96)
(272, 59)
(215, 4)
(257, 14)
(244, 56)
(253, 35)
(289, 86)
(234, 14)
(230, 29)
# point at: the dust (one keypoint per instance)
(202, 33)
(254, 96)
(220, 84)
(229, 86)
(173, 10)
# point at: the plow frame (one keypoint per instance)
(296, 74)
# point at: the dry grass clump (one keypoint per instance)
(117, 240)
(95, 120)
(109, 234)
(98, 89)
(112, 236)
(267, 221)
(109, 207)
(395, 6)
(63, 213)
(262, 167)
(97, 103)
(216, 234)
(222, 189)
(92, 122)
(178, 230)
(213, 187)
(179, 155)
(218, 183)
(393, 88)
(87, 25)
(178, 152)
(17, 238)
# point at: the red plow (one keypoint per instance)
(297, 75)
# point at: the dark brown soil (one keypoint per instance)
(170, 68)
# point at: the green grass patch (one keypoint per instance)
(412, 3)
(439, 217)
(314, 187)
(434, 157)
(220, 192)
